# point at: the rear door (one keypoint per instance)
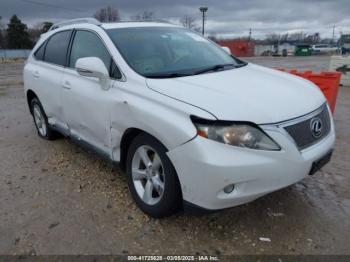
(86, 104)
(47, 74)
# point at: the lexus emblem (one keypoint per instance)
(316, 127)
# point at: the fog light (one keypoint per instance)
(228, 189)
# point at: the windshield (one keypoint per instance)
(170, 51)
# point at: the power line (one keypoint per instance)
(55, 6)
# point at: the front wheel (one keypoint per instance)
(152, 178)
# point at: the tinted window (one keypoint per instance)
(39, 53)
(88, 44)
(56, 48)
(114, 71)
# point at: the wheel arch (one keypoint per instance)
(126, 140)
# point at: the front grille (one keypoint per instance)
(302, 132)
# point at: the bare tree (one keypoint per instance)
(313, 38)
(213, 37)
(273, 38)
(144, 16)
(35, 32)
(284, 37)
(46, 26)
(188, 21)
(107, 14)
(297, 37)
(38, 29)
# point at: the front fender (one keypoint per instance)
(163, 117)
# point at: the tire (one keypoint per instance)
(40, 120)
(159, 178)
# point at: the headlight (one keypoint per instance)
(242, 134)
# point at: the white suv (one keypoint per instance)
(185, 120)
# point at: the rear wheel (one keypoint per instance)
(152, 179)
(40, 121)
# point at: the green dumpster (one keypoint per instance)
(303, 50)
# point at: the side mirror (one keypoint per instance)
(93, 67)
(226, 49)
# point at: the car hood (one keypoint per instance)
(250, 93)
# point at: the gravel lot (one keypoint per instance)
(57, 198)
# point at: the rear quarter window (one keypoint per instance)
(39, 53)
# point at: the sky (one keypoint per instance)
(225, 18)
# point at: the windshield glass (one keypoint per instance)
(170, 51)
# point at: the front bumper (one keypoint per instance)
(205, 167)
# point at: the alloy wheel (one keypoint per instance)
(148, 175)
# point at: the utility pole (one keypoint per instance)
(250, 34)
(333, 34)
(203, 9)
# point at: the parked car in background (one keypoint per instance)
(185, 120)
(320, 49)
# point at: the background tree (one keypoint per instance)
(2, 37)
(107, 14)
(213, 37)
(273, 38)
(312, 38)
(2, 40)
(17, 34)
(297, 37)
(144, 16)
(46, 26)
(284, 37)
(38, 29)
(188, 21)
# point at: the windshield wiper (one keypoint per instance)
(167, 75)
(213, 68)
(241, 64)
(202, 71)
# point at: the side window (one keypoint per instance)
(56, 48)
(88, 44)
(39, 53)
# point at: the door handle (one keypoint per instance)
(36, 74)
(66, 85)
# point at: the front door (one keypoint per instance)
(86, 105)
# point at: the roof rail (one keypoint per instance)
(140, 21)
(88, 20)
(154, 20)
